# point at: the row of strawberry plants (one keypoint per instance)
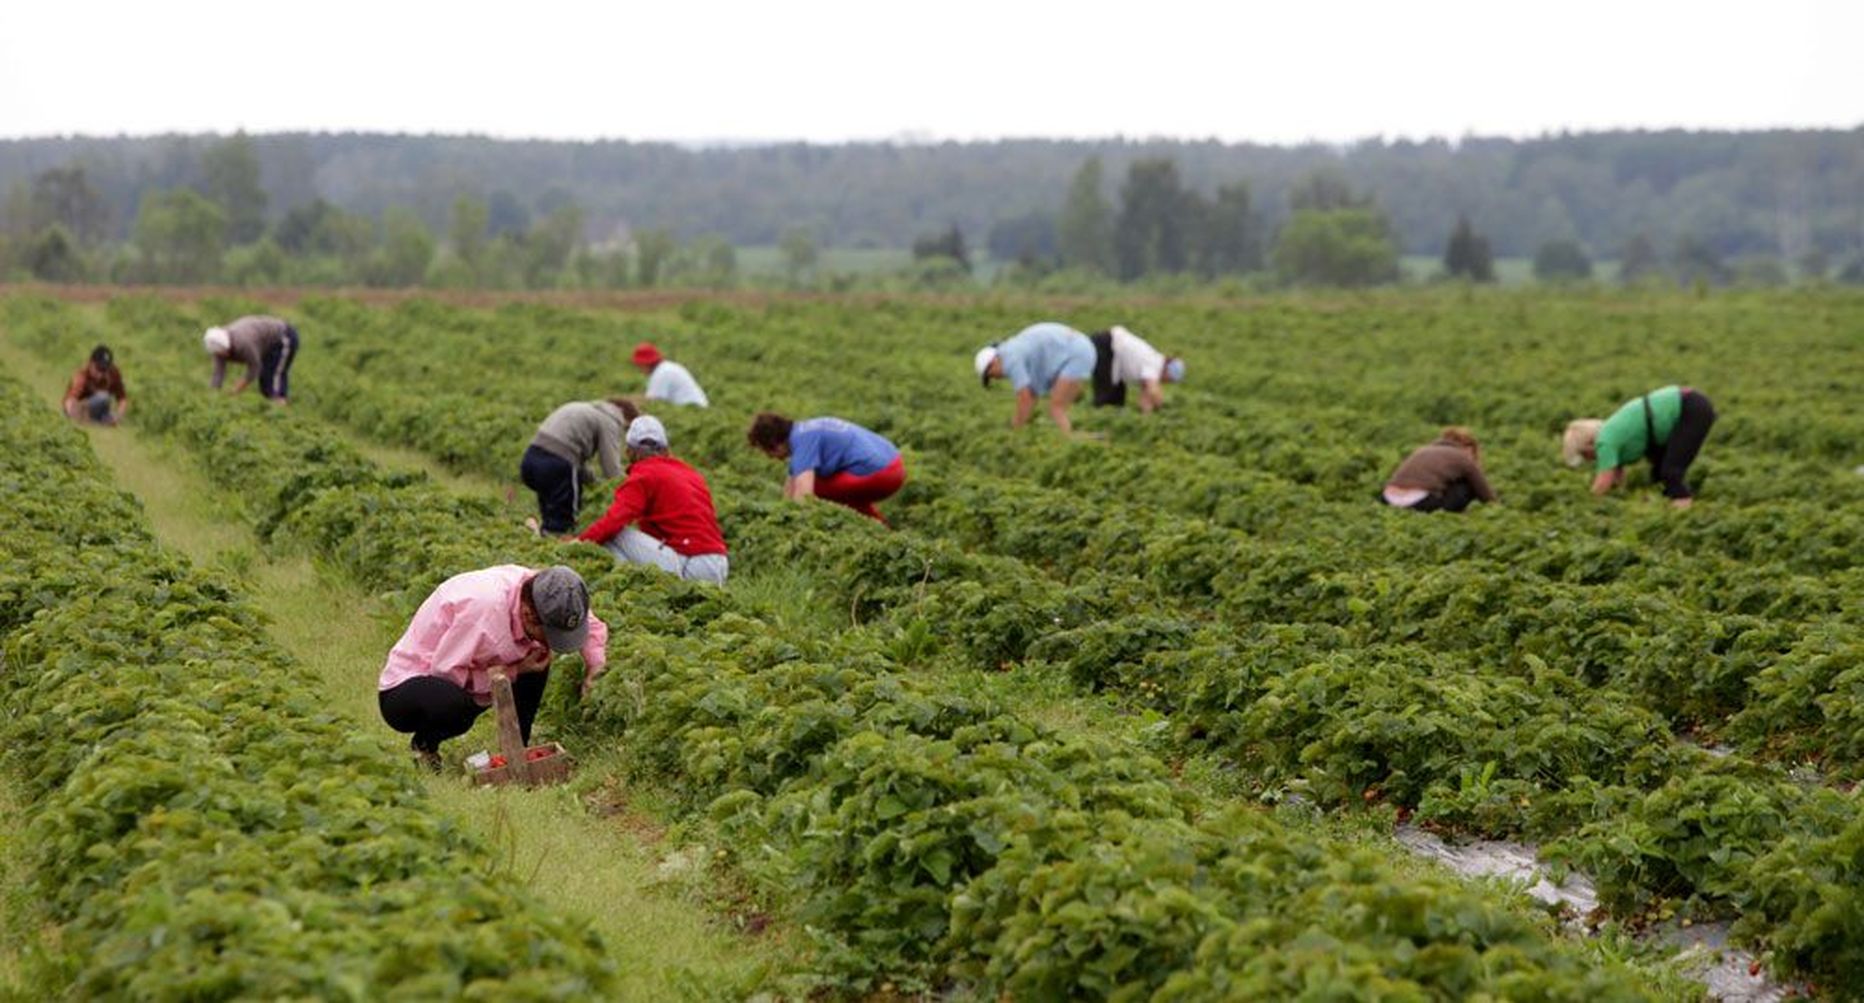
(199, 829)
(1556, 758)
(929, 835)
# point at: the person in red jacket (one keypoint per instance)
(663, 512)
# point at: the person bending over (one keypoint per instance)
(267, 346)
(1666, 426)
(832, 459)
(1123, 359)
(1043, 360)
(554, 465)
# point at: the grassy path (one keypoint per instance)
(667, 942)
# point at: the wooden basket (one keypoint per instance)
(552, 765)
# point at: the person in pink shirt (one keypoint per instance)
(438, 678)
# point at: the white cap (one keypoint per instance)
(217, 341)
(985, 356)
(647, 431)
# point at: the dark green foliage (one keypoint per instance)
(1467, 254)
(1561, 261)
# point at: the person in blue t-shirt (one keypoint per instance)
(1046, 359)
(832, 459)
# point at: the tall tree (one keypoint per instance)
(549, 245)
(1229, 244)
(1084, 233)
(181, 236)
(1325, 190)
(230, 175)
(407, 250)
(946, 244)
(1698, 261)
(467, 233)
(1561, 261)
(505, 215)
(1153, 230)
(1340, 247)
(1639, 259)
(1467, 254)
(652, 250)
(52, 256)
(799, 254)
(65, 197)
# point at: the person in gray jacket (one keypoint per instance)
(553, 464)
(266, 345)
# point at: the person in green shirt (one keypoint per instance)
(1666, 426)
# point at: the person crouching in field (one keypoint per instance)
(553, 465)
(438, 678)
(1046, 359)
(667, 380)
(1123, 359)
(1443, 476)
(266, 345)
(95, 393)
(832, 459)
(1666, 426)
(662, 514)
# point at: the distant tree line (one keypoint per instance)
(1778, 193)
(1754, 208)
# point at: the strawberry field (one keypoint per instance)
(1125, 716)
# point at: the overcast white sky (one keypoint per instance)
(830, 70)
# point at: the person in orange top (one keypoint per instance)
(96, 392)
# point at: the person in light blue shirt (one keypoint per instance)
(832, 459)
(1043, 360)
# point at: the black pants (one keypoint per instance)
(1106, 392)
(275, 365)
(1454, 498)
(1669, 463)
(558, 484)
(433, 709)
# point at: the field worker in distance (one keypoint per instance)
(667, 380)
(554, 464)
(1046, 359)
(1123, 359)
(95, 393)
(268, 346)
(438, 678)
(832, 459)
(1444, 476)
(662, 514)
(1666, 426)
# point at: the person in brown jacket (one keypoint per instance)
(96, 392)
(1445, 475)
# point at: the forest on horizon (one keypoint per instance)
(1781, 194)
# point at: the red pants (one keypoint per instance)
(861, 491)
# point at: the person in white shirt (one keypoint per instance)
(667, 380)
(1121, 359)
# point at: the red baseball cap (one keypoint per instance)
(645, 354)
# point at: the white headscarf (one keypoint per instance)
(217, 341)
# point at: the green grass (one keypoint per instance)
(605, 870)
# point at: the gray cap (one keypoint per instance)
(647, 431)
(562, 603)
